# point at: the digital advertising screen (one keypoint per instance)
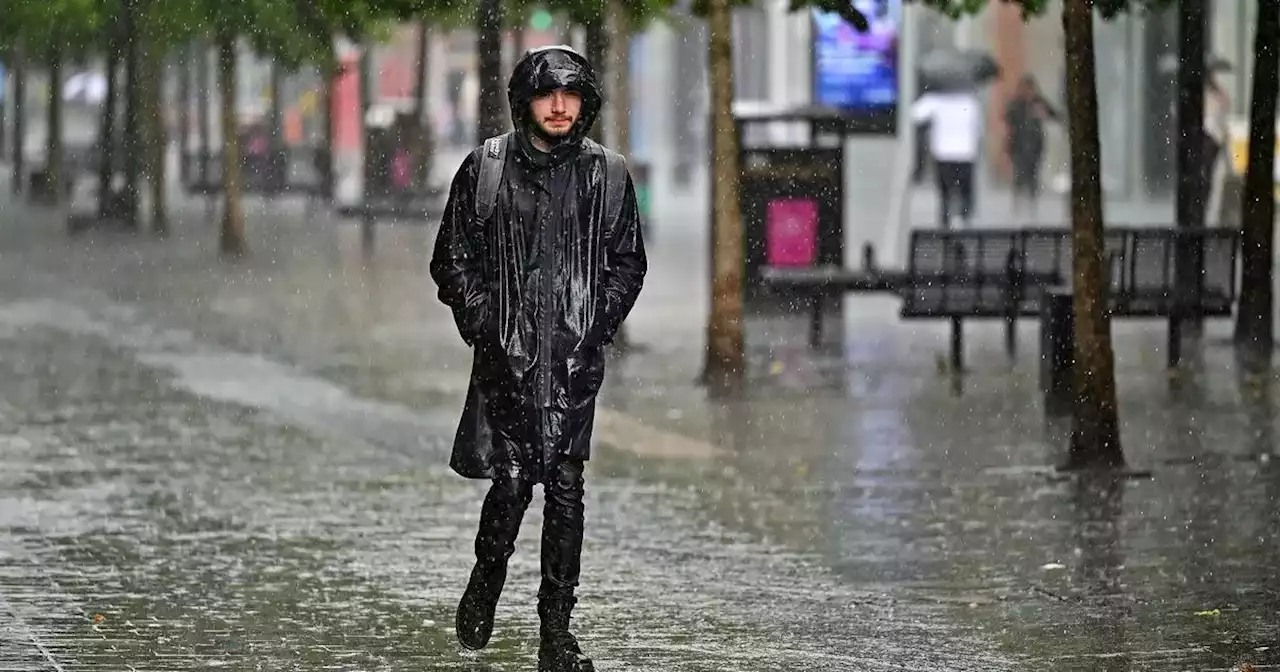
(858, 72)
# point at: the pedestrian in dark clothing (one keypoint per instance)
(540, 263)
(1025, 116)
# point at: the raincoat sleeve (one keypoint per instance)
(923, 109)
(455, 263)
(626, 264)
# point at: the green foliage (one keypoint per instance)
(955, 9)
(700, 7)
(1108, 9)
(69, 25)
(587, 12)
(293, 31)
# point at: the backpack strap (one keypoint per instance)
(492, 159)
(494, 156)
(615, 184)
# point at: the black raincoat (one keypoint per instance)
(542, 285)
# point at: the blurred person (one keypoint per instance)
(540, 257)
(1217, 107)
(955, 133)
(1024, 117)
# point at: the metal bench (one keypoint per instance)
(1004, 274)
(422, 206)
(982, 274)
(298, 174)
(814, 287)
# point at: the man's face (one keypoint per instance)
(556, 111)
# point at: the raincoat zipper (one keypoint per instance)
(548, 286)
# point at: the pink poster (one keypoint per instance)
(791, 232)
(400, 169)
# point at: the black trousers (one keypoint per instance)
(955, 188)
(518, 467)
(1026, 176)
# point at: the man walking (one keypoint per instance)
(1024, 118)
(955, 123)
(541, 258)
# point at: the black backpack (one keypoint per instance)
(495, 156)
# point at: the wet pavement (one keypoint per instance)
(244, 466)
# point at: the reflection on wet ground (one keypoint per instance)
(222, 463)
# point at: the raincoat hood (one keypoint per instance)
(546, 69)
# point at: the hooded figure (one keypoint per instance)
(538, 288)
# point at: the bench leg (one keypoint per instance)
(368, 218)
(815, 322)
(1175, 342)
(1011, 336)
(957, 345)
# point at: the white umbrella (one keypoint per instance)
(87, 87)
(950, 69)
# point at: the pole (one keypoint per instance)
(19, 117)
(366, 102)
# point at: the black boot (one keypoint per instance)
(558, 650)
(475, 612)
(500, 518)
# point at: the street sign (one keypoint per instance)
(541, 19)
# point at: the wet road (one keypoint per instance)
(244, 468)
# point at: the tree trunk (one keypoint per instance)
(326, 120)
(618, 93)
(107, 131)
(491, 119)
(184, 113)
(277, 170)
(157, 138)
(726, 360)
(133, 133)
(1255, 315)
(204, 113)
(19, 117)
(54, 159)
(367, 95)
(1095, 437)
(1192, 173)
(619, 76)
(369, 156)
(276, 111)
(598, 55)
(232, 242)
(424, 145)
(4, 102)
(420, 81)
(1190, 114)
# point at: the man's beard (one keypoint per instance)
(552, 139)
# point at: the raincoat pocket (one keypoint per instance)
(586, 374)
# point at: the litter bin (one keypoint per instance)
(379, 165)
(791, 166)
(1057, 350)
(264, 162)
(397, 159)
